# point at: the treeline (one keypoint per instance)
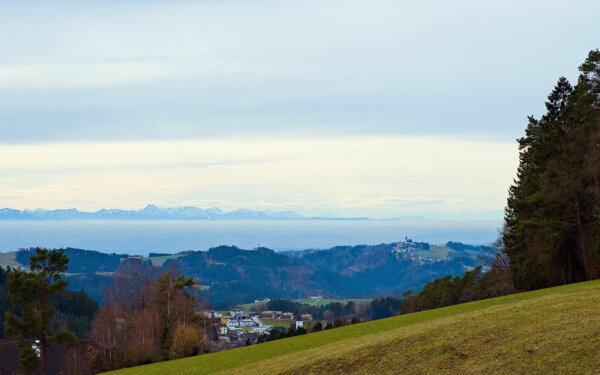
(552, 219)
(81, 261)
(281, 333)
(329, 311)
(378, 308)
(461, 247)
(472, 286)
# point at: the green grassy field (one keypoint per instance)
(554, 330)
(308, 301)
(435, 251)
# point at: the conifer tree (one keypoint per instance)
(32, 293)
(552, 217)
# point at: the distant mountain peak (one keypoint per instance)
(150, 212)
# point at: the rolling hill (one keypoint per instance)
(555, 330)
(238, 276)
(235, 276)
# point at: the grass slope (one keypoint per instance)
(554, 330)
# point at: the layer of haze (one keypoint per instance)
(357, 176)
(365, 108)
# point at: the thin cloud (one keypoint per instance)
(180, 70)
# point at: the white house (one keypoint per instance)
(238, 311)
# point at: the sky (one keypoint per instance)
(342, 107)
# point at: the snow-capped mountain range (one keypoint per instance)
(151, 212)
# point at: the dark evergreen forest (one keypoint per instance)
(552, 232)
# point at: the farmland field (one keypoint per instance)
(313, 302)
(435, 252)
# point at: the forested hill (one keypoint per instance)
(231, 276)
(234, 276)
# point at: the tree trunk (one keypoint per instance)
(44, 327)
(582, 245)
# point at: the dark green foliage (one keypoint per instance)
(81, 261)
(4, 298)
(334, 310)
(317, 327)
(32, 294)
(95, 286)
(384, 307)
(461, 247)
(552, 218)
(27, 356)
(472, 286)
(277, 334)
(297, 332)
(75, 311)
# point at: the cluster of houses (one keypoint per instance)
(408, 250)
(237, 326)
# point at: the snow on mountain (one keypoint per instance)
(150, 212)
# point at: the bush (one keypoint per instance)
(187, 341)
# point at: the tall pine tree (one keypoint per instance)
(32, 293)
(552, 217)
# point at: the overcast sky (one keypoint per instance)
(372, 108)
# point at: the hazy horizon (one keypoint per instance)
(171, 236)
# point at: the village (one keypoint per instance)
(237, 326)
(408, 249)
